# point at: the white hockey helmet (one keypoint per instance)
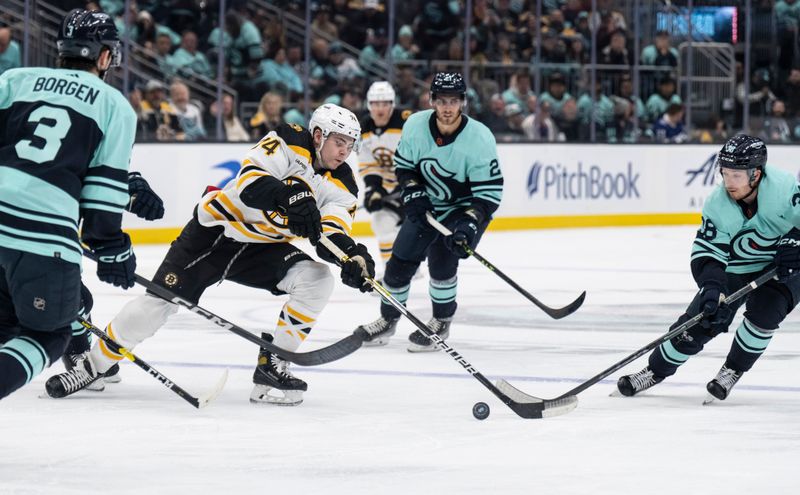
(380, 91)
(333, 118)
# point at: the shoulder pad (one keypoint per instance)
(344, 174)
(295, 135)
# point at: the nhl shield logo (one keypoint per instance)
(39, 303)
(171, 279)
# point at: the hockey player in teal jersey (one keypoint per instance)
(446, 164)
(65, 145)
(751, 222)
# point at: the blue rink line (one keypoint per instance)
(416, 374)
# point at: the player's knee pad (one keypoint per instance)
(768, 306)
(140, 319)
(399, 272)
(309, 283)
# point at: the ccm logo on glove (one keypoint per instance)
(118, 258)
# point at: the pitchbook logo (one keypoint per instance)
(578, 182)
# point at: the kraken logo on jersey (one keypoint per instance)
(437, 178)
(748, 246)
(383, 157)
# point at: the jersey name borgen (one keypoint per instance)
(747, 245)
(65, 146)
(378, 145)
(287, 154)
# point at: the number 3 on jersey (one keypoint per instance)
(53, 132)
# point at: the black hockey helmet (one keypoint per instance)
(448, 83)
(84, 34)
(743, 152)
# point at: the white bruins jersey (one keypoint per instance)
(378, 145)
(286, 153)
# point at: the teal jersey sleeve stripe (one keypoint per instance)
(115, 184)
(104, 194)
(93, 205)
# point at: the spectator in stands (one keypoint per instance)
(346, 66)
(658, 102)
(406, 91)
(159, 120)
(437, 25)
(322, 21)
(148, 31)
(345, 16)
(371, 16)
(776, 128)
(623, 129)
(514, 116)
(599, 109)
(372, 55)
(556, 94)
(616, 53)
(540, 126)
(582, 27)
(135, 99)
(232, 127)
(405, 48)
(569, 122)
(554, 50)
(187, 60)
(787, 15)
(669, 128)
(495, 117)
(503, 51)
(9, 51)
(525, 36)
(268, 117)
(241, 42)
(163, 55)
(189, 115)
(571, 10)
(715, 131)
(791, 93)
(519, 90)
(760, 97)
(660, 53)
(323, 75)
(280, 75)
(625, 92)
(577, 52)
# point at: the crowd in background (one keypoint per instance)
(184, 37)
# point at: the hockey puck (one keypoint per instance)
(480, 410)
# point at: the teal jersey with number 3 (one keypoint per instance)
(747, 245)
(457, 174)
(65, 146)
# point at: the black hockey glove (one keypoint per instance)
(116, 263)
(465, 232)
(144, 202)
(417, 203)
(373, 197)
(358, 267)
(297, 204)
(787, 256)
(708, 301)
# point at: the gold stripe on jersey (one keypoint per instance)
(336, 181)
(225, 211)
(250, 175)
(300, 151)
(331, 223)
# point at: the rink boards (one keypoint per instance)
(546, 185)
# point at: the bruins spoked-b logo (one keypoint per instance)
(171, 279)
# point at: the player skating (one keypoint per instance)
(65, 145)
(293, 183)
(446, 164)
(750, 221)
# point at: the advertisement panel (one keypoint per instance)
(546, 185)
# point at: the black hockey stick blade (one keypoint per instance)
(530, 407)
(555, 313)
(198, 402)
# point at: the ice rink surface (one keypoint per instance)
(383, 421)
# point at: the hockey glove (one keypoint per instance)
(358, 267)
(465, 233)
(144, 202)
(709, 302)
(417, 203)
(116, 263)
(373, 198)
(787, 256)
(297, 204)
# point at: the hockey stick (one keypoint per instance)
(555, 313)
(524, 405)
(198, 402)
(664, 338)
(337, 350)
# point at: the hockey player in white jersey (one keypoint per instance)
(293, 183)
(380, 134)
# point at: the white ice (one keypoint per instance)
(384, 421)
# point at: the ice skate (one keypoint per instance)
(274, 384)
(82, 374)
(630, 385)
(421, 343)
(110, 376)
(720, 387)
(379, 331)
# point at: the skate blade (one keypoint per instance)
(422, 348)
(377, 342)
(616, 393)
(710, 399)
(261, 395)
